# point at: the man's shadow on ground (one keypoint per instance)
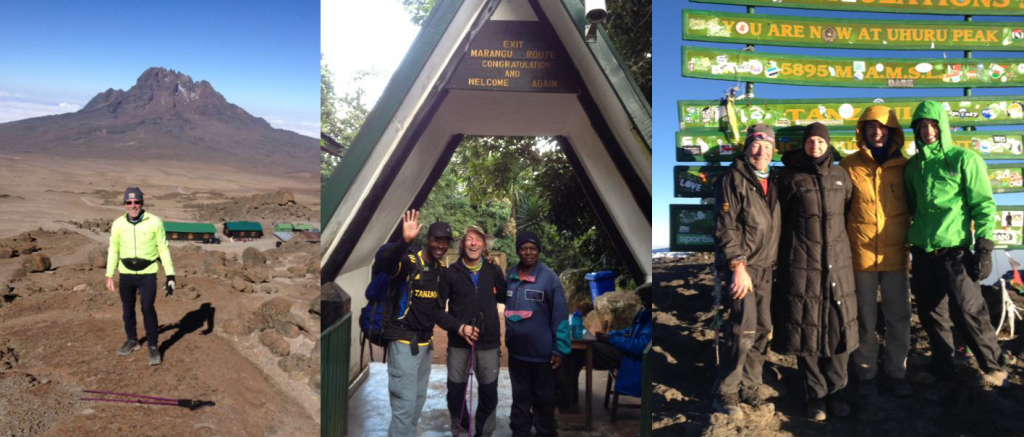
(189, 323)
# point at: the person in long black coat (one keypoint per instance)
(814, 301)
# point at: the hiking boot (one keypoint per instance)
(901, 388)
(751, 395)
(728, 404)
(994, 378)
(816, 410)
(1007, 359)
(867, 388)
(837, 405)
(154, 356)
(129, 347)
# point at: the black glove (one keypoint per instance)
(170, 285)
(981, 266)
(603, 337)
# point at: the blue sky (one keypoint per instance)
(671, 87)
(261, 55)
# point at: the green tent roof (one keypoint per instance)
(244, 226)
(283, 227)
(195, 228)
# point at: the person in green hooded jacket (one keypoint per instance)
(947, 189)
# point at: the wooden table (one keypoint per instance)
(587, 343)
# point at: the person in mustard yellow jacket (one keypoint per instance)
(877, 222)
(137, 240)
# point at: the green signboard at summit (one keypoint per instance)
(692, 227)
(736, 65)
(851, 34)
(697, 180)
(713, 146)
(945, 7)
(780, 113)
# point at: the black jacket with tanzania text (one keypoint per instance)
(466, 301)
(747, 221)
(814, 301)
(426, 301)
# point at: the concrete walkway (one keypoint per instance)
(370, 411)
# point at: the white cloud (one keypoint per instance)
(382, 32)
(307, 128)
(12, 110)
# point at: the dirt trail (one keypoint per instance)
(59, 330)
(684, 372)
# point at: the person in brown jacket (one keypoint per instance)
(877, 222)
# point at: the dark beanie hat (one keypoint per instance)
(527, 237)
(816, 130)
(759, 131)
(132, 193)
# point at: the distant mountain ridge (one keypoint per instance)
(165, 115)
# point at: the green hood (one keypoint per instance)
(933, 110)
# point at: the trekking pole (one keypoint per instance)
(191, 404)
(469, 379)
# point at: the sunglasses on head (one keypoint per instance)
(132, 202)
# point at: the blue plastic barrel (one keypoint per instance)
(601, 283)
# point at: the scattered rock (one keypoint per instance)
(191, 248)
(287, 330)
(613, 310)
(28, 248)
(252, 257)
(577, 291)
(97, 258)
(257, 274)
(294, 271)
(266, 288)
(273, 341)
(6, 253)
(36, 263)
(237, 327)
(188, 293)
(238, 283)
(314, 356)
(79, 288)
(249, 288)
(293, 363)
(314, 382)
(8, 358)
(314, 306)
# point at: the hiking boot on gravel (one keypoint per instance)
(728, 404)
(154, 356)
(837, 405)
(866, 388)
(752, 396)
(994, 378)
(129, 347)
(901, 388)
(816, 410)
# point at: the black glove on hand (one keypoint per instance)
(982, 265)
(170, 285)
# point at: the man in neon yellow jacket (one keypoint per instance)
(137, 240)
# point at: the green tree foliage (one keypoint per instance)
(418, 9)
(340, 116)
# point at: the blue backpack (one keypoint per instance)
(374, 316)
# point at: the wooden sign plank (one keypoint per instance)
(836, 33)
(938, 7)
(742, 66)
(835, 113)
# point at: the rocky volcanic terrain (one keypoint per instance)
(684, 372)
(167, 116)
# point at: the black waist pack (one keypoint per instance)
(137, 264)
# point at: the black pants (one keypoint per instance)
(947, 296)
(144, 286)
(533, 398)
(823, 376)
(606, 357)
(745, 333)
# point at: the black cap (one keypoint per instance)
(132, 193)
(817, 130)
(527, 237)
(440, 230)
